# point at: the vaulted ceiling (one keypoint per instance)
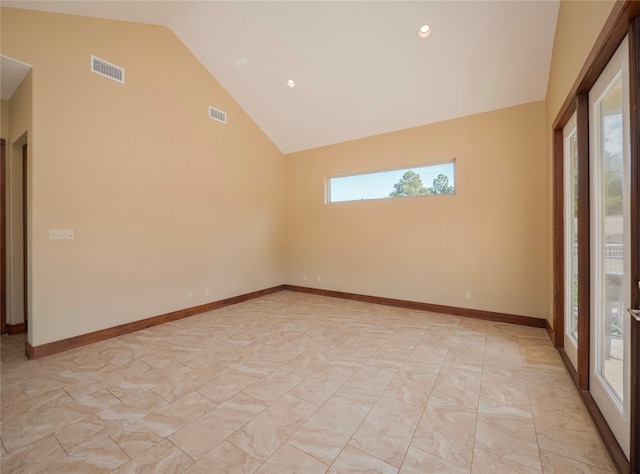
(360, 67)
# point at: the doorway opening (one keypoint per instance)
(13, 235)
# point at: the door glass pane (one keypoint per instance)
(612, 251)
(572, 235)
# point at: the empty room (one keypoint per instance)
(320, 236)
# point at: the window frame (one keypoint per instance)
(327, 183)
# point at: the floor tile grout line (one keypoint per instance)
(378, 399)
(425, 405)
(475, 428)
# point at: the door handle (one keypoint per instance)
(635, 313)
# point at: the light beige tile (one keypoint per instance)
(226, 385)
(504, 387)
(276, 384)
(164, 457)
(447, 431)
(555, 463)
(106, 376)
(412, 384)
(328, 430)
(133, 386)
(134, 409)
(570, 435)
(227, 459)
(136, 438)
(188, 382)
(460, 386)
(387, 430)
(393, 351)
(202, 435)
(429, 356)
(81, 434)
(502, 351)
(508, 433)
(482, 385)
(319, 386)
(38, 423)
(150, 430)
(99, 400)
(100, 457)
(463, 353)
(538, 352)
(354, 461)
(487, 461)
(11, 394)
(265, 433)
(293, 461)
(408, 335)
(419, 462)
(34, 457)
(367, 384)
(25, 409)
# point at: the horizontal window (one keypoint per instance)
(417, 181)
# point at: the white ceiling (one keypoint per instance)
(359, 66)
(12, 73)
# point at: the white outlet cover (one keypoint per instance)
(61, 234)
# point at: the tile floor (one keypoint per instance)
(299, 383)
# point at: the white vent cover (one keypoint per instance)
(106, 69)
(218, 115)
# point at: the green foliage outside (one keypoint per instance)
(612, 167)
(411, 185)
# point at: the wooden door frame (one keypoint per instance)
(3, 238)
(623, 20)
(25, 229)
(634, 92)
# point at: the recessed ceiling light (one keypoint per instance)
(291, 83)
(424, 31)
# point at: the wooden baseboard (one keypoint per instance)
(16, 328)
(550, 332)
(37, 352)
(567, 363)
(620, 461)
(434, 308)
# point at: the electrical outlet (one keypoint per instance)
(304, 277)
(189, 294)
(468, 295)
(61, 234)
(318, 277)
(207, 291)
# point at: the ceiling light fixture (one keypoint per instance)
(424, 31)
(291, 84)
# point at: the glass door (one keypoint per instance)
(570, 133)
(610, 180)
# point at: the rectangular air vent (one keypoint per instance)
(218, 115)
(106, 69)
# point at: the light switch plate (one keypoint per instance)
(61, 234)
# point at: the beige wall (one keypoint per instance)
(162, 199)
(579, 24)
(150, 186)
(489, 238)
(4, 119)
